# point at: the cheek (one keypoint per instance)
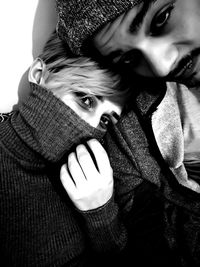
(184, 32)
(80, 112)
(188, 34)
(194, 30)
(89, 117)
(120, 107)
(186, 20)
(92, 120)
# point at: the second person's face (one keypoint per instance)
(160, 38)
(99, 112)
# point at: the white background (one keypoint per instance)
(25, 26)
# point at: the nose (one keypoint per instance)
(94, 119)
(159, 57)
(108, 108)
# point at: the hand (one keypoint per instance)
(88, 186)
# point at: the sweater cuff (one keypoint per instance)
(104, 228)
(103, 215)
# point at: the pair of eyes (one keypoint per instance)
(88, 103)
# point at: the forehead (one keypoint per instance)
(120, 32)
(133, 18)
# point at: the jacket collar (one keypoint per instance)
(149, 98)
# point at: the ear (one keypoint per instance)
(37, 71)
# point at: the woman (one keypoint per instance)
(72, 100)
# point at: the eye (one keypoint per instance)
(161, 19)
(105, 121)
(87, 102)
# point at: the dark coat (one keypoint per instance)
(161, 215)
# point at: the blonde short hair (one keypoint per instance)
(67, 73)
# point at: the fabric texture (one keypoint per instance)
(162, 216)
(170, 135)
(78, 20)
(4, 116)
(39, 226)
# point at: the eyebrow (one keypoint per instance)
(139, 18)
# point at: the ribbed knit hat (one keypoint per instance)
(80, 19)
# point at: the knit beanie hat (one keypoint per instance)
(80, 19)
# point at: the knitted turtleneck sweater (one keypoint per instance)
(39, 226)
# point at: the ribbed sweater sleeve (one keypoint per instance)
(104, 228)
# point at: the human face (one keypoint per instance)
(99, 112)
(158, 38)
